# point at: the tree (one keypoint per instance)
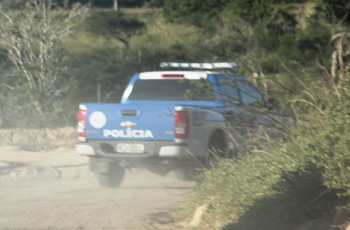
(33, 36)
(116, 25)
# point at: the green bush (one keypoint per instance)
(328, 140)
(296, 179)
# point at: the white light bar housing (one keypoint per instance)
(204, 66)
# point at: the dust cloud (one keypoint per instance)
(52, 188)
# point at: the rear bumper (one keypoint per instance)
(106, 149)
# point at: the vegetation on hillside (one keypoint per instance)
(285, 183)
(289, 43)
(33, 37)
(296, 51)
(299, 49)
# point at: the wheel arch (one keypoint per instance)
(219, 138)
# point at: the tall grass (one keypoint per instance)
(289, 181)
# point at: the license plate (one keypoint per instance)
(130, 148)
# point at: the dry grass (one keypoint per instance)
(38, 139)
(159, 33)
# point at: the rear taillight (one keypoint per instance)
(81, 117)
(181, 124)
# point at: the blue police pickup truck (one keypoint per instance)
(178, 119)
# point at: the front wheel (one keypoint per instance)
(113, 177)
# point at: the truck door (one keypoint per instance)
(254, 106)
(243, 104)
(232, 105)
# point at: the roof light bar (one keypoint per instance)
(185, 65)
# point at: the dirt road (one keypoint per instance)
(55, 190)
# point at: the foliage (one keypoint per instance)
(109, 3)
(121, 43)
(286, 47)
(105, 66)
(193, 11)
(337, 9)
(328, 140)
(33, 38)
(261, 33)
(115, 25)
(299, 178)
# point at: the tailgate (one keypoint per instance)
(130, 122)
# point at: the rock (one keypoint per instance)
(198, 215)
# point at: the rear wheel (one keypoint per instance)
(113, 177)
(216, 149)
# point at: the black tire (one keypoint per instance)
(113, 178)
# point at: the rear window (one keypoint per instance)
(172, 89)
